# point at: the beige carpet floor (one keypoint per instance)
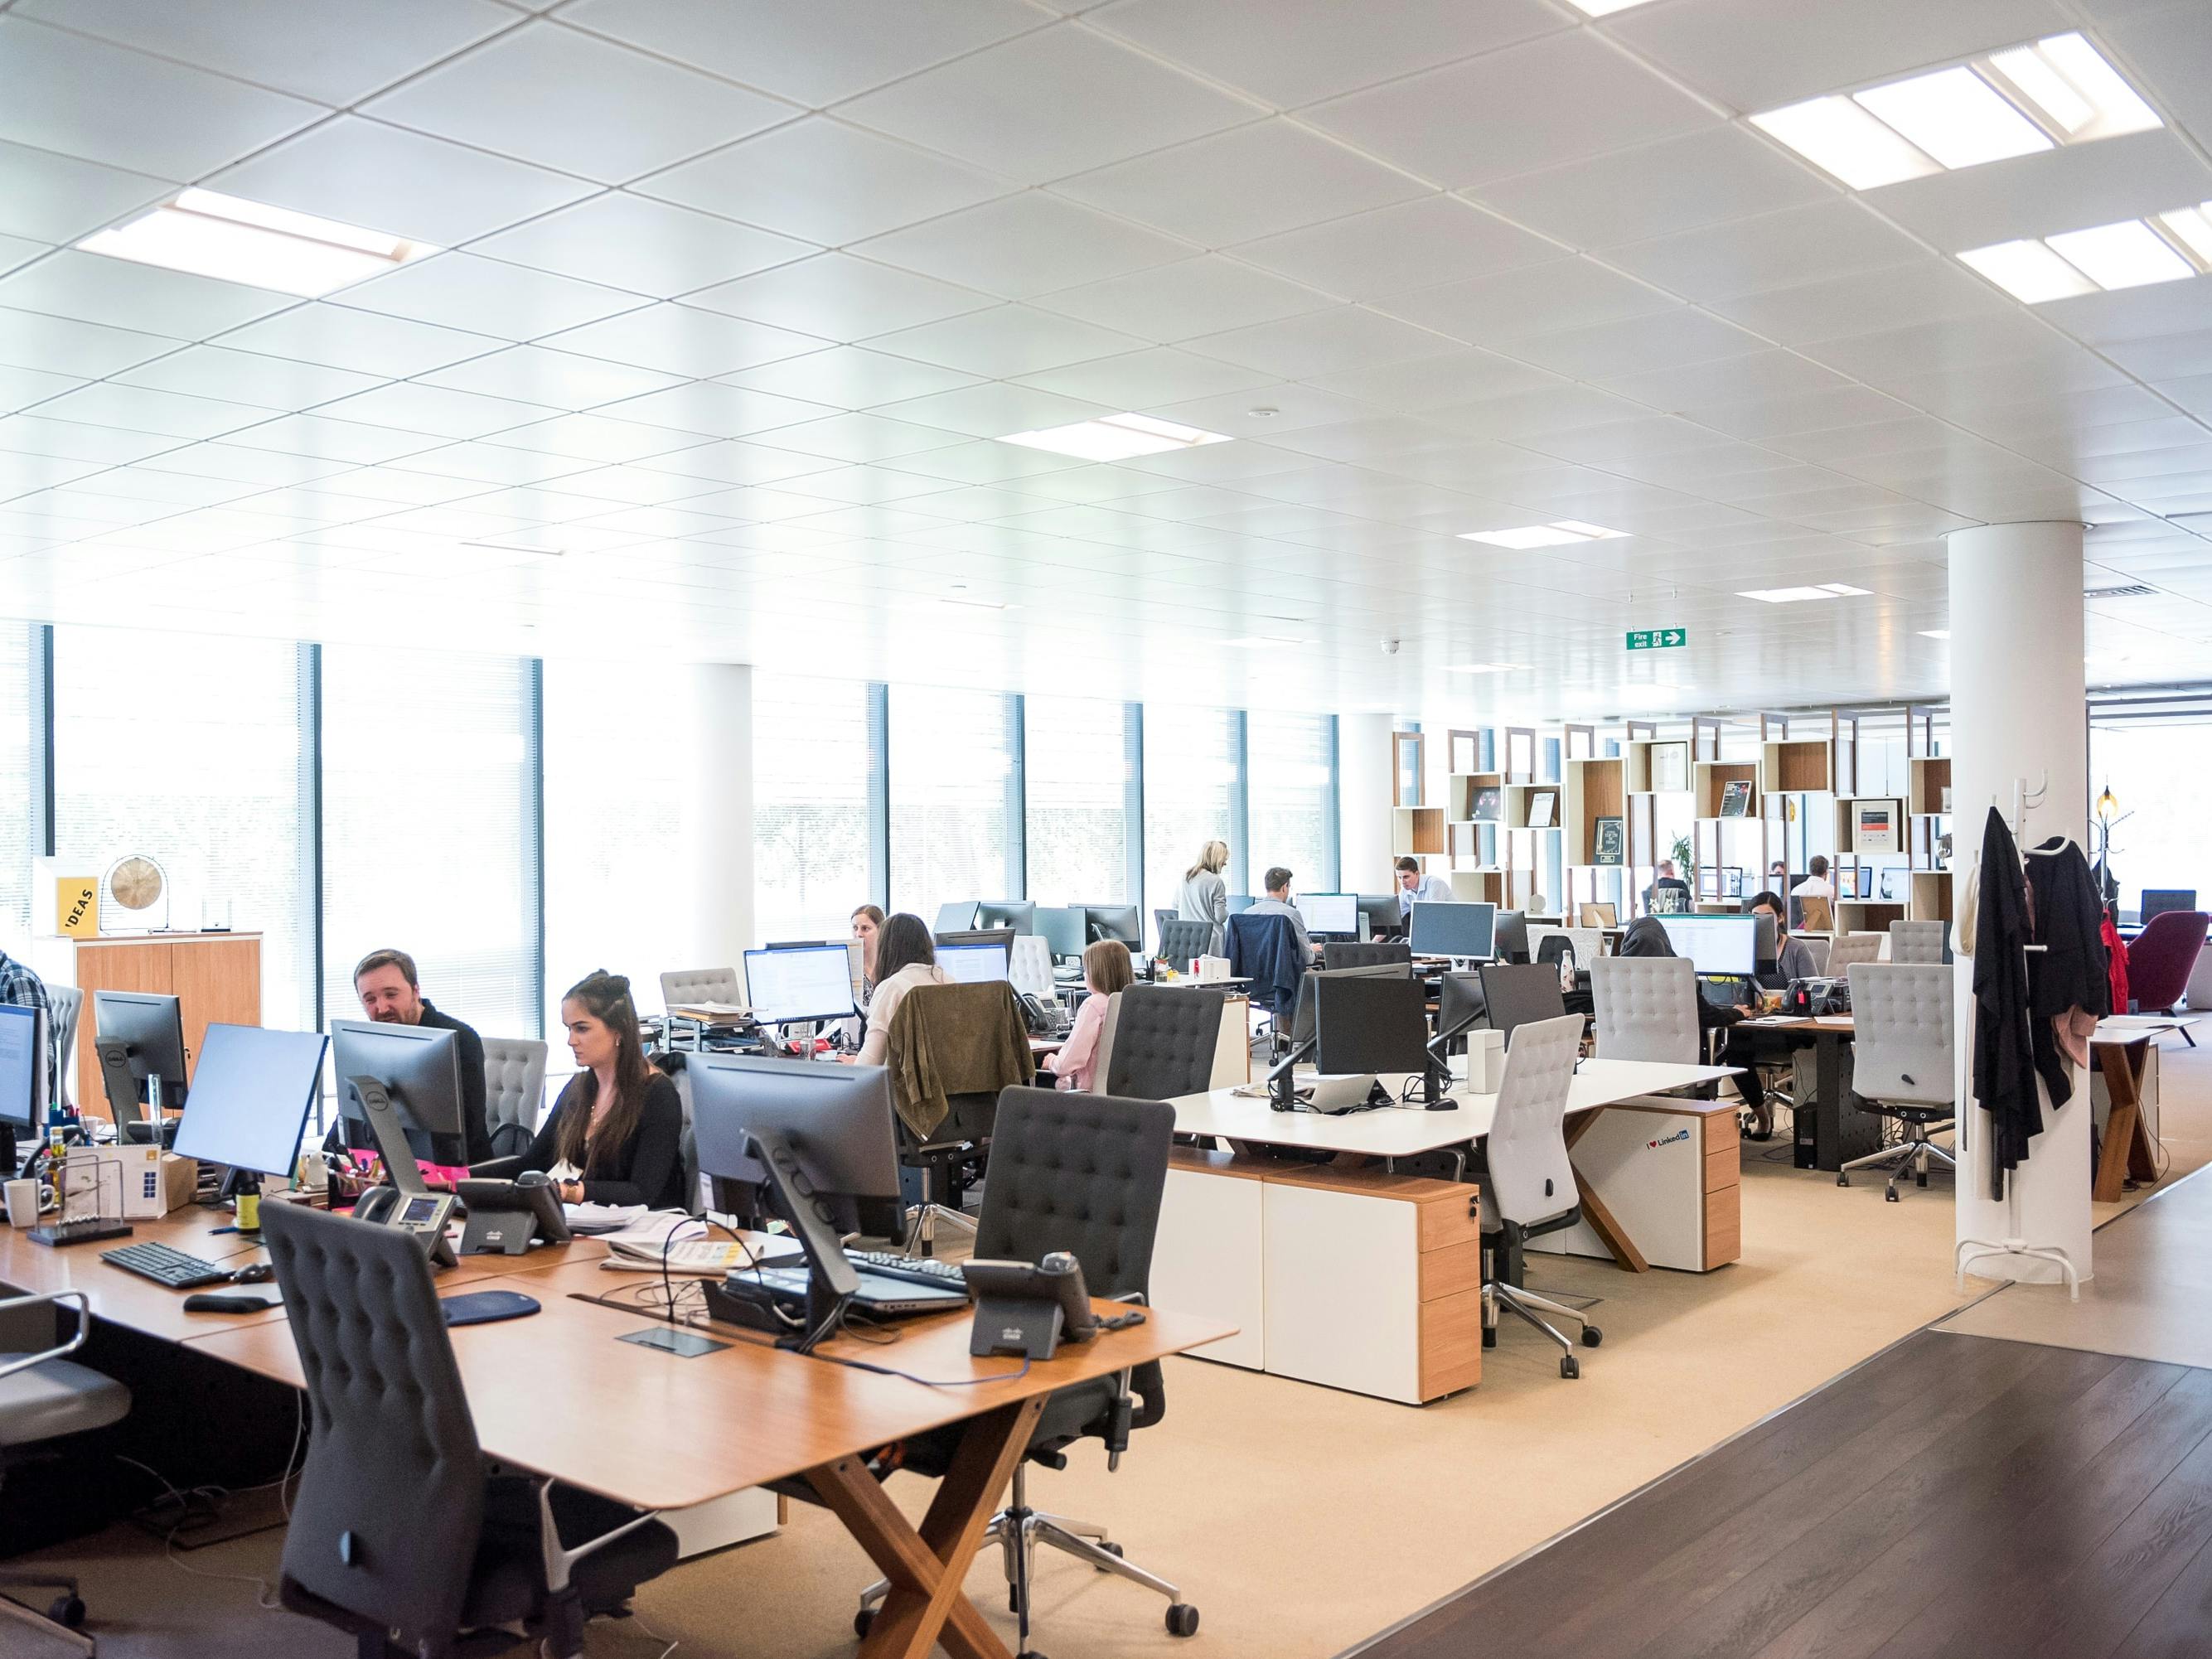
(1300, 1520)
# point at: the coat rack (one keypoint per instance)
(2014, 1243)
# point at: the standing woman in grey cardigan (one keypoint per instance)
(1204, 895)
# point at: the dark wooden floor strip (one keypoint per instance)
(1954, 1497)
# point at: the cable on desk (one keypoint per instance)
(927, 1383)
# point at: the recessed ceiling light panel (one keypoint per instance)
(2129, 254)
(1836, 135)
(1604, 8)
(1956, 117)
(211, 235)
(1560, 533)
(1115, 437)
(2028, 270)
(1799, 595)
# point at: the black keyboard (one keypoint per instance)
(165, 1266)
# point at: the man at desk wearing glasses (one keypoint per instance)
(385, 982)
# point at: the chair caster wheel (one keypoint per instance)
(1113, 1550)
(1592, 1336)
(1013, 1599)
(1490, 1336)
(1843, 1181)
(1570, 1369)
(1891, 1195)
(1182, 1619)
(68, 1611)
(862, 1619)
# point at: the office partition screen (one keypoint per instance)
(952, 775)
(811, 767)
(1076, 776)
(1290, 764)
(1191, 774)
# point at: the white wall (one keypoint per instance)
(1363, 754)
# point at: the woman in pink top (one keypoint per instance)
(1106, 969)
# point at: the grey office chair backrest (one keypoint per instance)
(1647, 1008)
(1030, 965)
(1165, 1038)
(1846, 949)
(1365, 953)
(1079, 1173)
(690, 986)
(1905, 1046)
(65, 1002)
(1817, 948)
(1183, 938)
(1531, 1179)
(391, 1501)
(1915, 942)
(514, 1091)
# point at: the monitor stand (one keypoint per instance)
(1282, 1088)
(399, 1167)
(831, 1281)
(135, 1125)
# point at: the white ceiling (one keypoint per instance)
(737, 298)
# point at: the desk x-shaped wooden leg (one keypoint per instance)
(2126, 1154)
(1610, 1233)
(925, 1605)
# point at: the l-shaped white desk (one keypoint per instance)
(1350, 1274)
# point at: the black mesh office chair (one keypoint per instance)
(1183, 938)
(1164, 1041)
(401, 1529)
(1364, 953)
(1084, 1174)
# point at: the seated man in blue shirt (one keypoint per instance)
(1415, 887)
(1278, 903)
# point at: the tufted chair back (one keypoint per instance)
(1365, 953)
(1647, 1008)
(1030, 966)
(688, 987)
(390, 1504)
(1079, 1173)
(1846, 950)
(1184, 940)
(1528, 1178)
(1165, 1038)
(514, 1091)
(1916, 941)
(1904, 1047)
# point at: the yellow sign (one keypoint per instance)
(76, 906)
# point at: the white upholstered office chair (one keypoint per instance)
(1817, 948)
(1916, 941)
(67, 1003)
(689, 987)
(1647, 1008)
(1528, 1182)
(1847, 948)
(514, 1092)
(1905, 1052)
(1030, 966)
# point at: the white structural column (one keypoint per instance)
(1363, 765)
(716, 821)
(2017, 714)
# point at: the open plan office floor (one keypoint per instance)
(1304, 1520)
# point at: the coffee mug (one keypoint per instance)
(26, 1198)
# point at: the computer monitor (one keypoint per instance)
(1336, 915)
(952, 918)
(1020, 914)
(1066, 930)
(251, 1097)
(412, 1075)
(1001, 937)
(1453, 930)
(1460, 1005)
(1519, 994)
(1896, 884)
(1769, 946)
(1369, 1023)
(22, 1070)
(1302, 1012)
(1240, 901)
(2157, 901)
(972, 965)
(803, 982)
(1725, 945)
(1510, 936)
(1381, 914)
(818, 1142)
(1123, 921)
(138, 1037)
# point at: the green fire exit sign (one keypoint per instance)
(1658, 639)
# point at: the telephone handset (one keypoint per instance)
(423, 1216)
(1035, 1015)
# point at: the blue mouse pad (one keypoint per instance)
(486, 1307)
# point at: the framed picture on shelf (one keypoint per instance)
(1609, 845)
(1732, 881)
(1896, 884)
(1873, 827)
(1670, 766)
(1735, 798)
(1489, 803)
(1543, 808)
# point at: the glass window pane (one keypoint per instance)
(1292, 809)
(810, 805)
(951, 754)
(1190, 770)
(2161, 776)
(17, 787)
(1076, 776)
(429, 830)
(187, 750)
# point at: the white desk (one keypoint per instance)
(1347, 1274)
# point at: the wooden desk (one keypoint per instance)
(1830, 1130)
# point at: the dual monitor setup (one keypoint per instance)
(1067, 930)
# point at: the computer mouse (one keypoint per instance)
(254, 1273)
(217, 1302)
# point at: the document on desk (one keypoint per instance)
(706, 1258)
(596, 1218)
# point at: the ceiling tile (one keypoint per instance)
(1320, 343)
(460, 290)
(724, 411)
(20, 388)
(1288, 409)
(494, 464)
(823, 180)
(1926, 291)
(859, 438)
(2069, 188)
(993, 409)
(816, 52)
(1548, 101)
(558, 98)
(364, 172)
(683, 340)
(557, 379)
(1194, 296)
(2133, 313)
(61, 345)
(1835, 237)
(1058, 102)
(1561, 294)
(646, 247)
(1023, 245)
(838, 297)
(123, 293)
(332, 51)
(413, 407)
(1654, 189)
(1417, 244)
(1457, 376)
(2165, 50)
(139, 409)
(81, 97)
(1290, 53)
(1008, 341)
(278, 383)
(849, 377)
(320, 438)
(1144, 380)
(1250, 181)
(59, 198)
(341, 338)
(600, 437)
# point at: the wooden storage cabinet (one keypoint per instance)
(216, 978)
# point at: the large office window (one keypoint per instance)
(430, 828)
(186, 751)
(19, 789)
(812, 762)
(1190, 795)
(1290, 765)
(953, 778)
(2161, 774)
(1078, 787)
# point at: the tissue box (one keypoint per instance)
(1210, 969)
(154, 1182)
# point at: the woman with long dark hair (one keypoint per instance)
(906, 956)
(615, 1135)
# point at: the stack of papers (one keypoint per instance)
(602, 1217)
(643, 1246)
